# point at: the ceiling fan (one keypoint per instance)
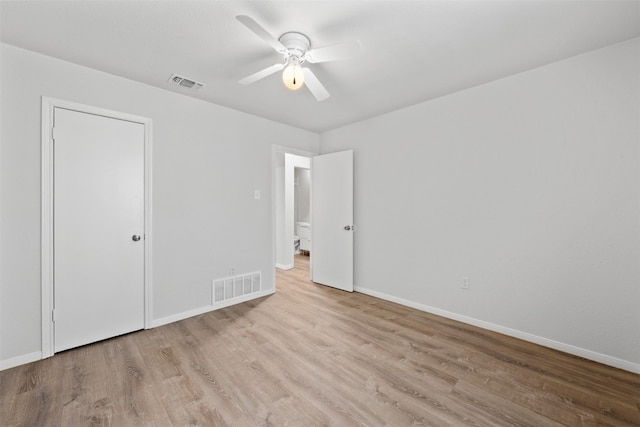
(295, 49)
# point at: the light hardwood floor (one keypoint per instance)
(311, 355)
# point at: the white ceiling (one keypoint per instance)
(413, 50)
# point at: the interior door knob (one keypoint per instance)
(347, 227)
(135, 237)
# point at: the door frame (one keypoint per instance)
(47, 256)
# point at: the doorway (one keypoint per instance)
(292, 206)
(96, 225)
(302, 211)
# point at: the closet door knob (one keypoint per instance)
(135, 237)
(347, 227)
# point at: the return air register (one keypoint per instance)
(185, 82)
(235, 286)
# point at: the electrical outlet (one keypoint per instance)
(464, 283)
(256, 194)
(232, 271)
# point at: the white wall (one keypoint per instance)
(302, 195)
(207, 162)
(529, 186)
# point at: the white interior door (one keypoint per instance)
(332, 220)
(98, 227)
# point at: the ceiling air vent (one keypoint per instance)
(185, 82)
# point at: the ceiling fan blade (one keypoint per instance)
(261, 74)
(314, 85)
(346, 50)
(261, 32)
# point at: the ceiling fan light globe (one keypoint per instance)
(293, 77)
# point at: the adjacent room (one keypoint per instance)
(320, 212)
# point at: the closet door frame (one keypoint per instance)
(48, 106)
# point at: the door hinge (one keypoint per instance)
(53, 133)
(53, 315)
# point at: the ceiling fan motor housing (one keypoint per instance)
(297, 45)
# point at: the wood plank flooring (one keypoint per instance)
(309, 356)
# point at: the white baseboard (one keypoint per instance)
(567, 348)
(20, 360)
(208, 308)
(284, 266)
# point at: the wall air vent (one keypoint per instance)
(185, 82)
(235, 286)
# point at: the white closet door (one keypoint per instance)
(98, 228)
